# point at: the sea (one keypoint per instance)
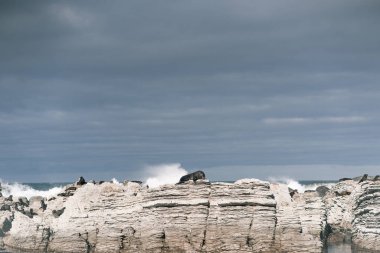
(50, 189)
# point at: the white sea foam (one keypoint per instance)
(295, 185)
(164, 174)
(22, 190)
(115, 181)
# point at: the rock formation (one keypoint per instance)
(246, 216)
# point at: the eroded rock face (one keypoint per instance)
(301, 220)
(247, 216)
(366, 216)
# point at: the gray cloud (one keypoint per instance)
(103, 89)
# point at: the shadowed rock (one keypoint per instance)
(364, 178)
(59, 212)
(322, 190)
(292, 191)
(23, 201)
(345, 179)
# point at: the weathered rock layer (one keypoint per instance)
(246, 216)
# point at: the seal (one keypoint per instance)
(193, 176)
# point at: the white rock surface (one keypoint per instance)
(247, 216)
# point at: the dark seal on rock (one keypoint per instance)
(322, 190)
(364, 178)
(81, 181)
(193, 176)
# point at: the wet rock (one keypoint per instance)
(345, 179)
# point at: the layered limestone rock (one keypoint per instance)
(246, 216)
(301, 221)
(366, 216)
(191, 217)
(339, 207)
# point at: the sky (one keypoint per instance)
(238, 89)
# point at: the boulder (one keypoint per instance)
(345, 179)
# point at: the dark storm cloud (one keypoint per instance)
(104, 88)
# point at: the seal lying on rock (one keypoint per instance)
(193, 176)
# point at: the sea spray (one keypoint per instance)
(297, 185)
(24, 190)
(164, 174)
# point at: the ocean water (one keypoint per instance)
(51, 189)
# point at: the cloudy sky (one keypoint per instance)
(236, 88)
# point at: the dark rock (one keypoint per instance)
(81, 181)
(345, 179)
(5, 207)
(29, 213)
(92, 182)
(193, 176)
(343, 193)
(292, 192)
(66, 194)
(376, 178)
(23, 201)
(137, 182)
(10, 198)
(71, 188)
(322, 190)
(52, 198)
(18, 207)
(364, 178)
(101, 182)
(59, 212)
